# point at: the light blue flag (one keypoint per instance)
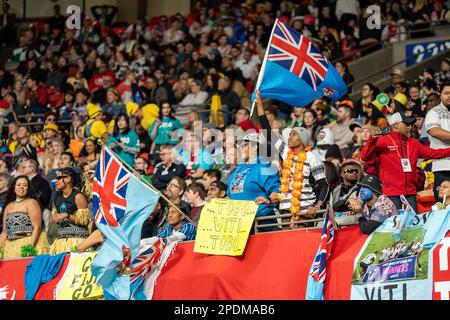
(121, 204)
(437, 227)
(295, 72)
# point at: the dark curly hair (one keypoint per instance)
(11, 194)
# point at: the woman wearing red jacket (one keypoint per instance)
(398, 155)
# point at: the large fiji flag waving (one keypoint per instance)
(295, 72)
(121, 204)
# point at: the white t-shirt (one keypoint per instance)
(438, 117)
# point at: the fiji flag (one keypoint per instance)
(121, 204)
(317, 274)
(295, 72)
(148, 264)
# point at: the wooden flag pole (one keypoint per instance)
(137, 175)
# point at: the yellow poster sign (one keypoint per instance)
(78, 283)
(224, 227)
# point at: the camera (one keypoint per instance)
(385, 131)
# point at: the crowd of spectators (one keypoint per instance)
(142, 89)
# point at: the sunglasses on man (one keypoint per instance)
(60, 177)
(350, 171)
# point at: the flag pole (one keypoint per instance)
(137, 175)
(263, 65)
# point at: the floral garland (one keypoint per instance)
(298, 180)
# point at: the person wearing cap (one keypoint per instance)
(95, 127)
(397, 75)
(70, 212)
(177, 223)
(372, 204)
(216, 190)
(398, 155)
(398, 103)
(50, 131)
(254, 176)
(437, 125)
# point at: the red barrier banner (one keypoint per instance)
(273, 266)
(12, 280)
(441, 269)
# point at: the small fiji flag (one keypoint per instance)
(295, 71)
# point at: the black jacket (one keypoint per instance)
(161, 177)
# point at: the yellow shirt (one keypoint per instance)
(110, 126)
(12, 146)
(97, 129)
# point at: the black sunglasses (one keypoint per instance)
(351, 171)
(60, 177)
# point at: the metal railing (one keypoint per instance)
(279, 217)
(39, 123)
(383, 45)
(384, 70)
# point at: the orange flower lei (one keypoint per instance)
(297, 185)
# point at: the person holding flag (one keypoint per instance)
(301, 170)
(121, 204)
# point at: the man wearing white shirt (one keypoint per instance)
(346, 9)
(247, 65)
(196, 97)
(437, 124)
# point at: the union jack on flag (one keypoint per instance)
(318, 271)
(146, 259)
(109, 191)
(296, 53)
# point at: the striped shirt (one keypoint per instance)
(186, 228)
(312, 167)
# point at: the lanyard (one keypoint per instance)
(396, 148)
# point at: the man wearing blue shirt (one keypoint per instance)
(178, 224)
